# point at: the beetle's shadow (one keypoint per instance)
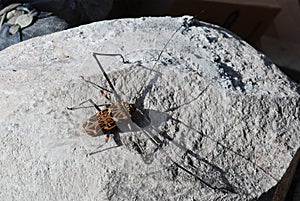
(148, 120)
(219, 180)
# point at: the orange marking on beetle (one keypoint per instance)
(105, 120)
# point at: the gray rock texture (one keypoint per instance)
(227, 118)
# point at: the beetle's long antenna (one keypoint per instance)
(95, 54)
(161, 52)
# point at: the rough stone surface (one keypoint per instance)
(227, 114)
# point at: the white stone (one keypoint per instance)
(226, 103)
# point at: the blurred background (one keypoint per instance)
(271, 26)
